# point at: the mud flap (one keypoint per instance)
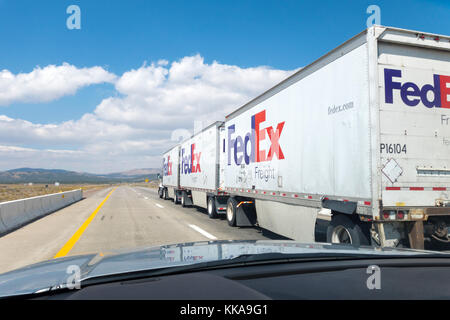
(187, 199)
(221, 205)
(245, 215)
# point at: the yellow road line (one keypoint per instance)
(72, 241)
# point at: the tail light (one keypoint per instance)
(388, 214)
(394, 214)
(401, 214)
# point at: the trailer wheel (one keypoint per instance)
(160, 193)
(343, 229)
(212, 208)
(231, 211)
(165, 194)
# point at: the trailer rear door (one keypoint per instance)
(414, 123)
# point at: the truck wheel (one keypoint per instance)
(343, 229)
(160, 193)
(231, 211)
(165, 195)
(183, 199)
(212, 208)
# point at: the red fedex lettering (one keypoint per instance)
(260, 135)
(445, 91)
(192, 157)
(195, 160)
(169, 173)
(274, 142)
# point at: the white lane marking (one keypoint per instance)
(158, 205)
(203, 232)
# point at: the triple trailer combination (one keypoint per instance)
(364, 131)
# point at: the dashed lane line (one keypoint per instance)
(203, 232)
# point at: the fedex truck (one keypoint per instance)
(364, 132)
(170, 182)
(199, 171)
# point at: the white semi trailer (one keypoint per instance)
(199, 171)
(363, 132)
(170, 181)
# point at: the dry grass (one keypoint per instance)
(10, 192)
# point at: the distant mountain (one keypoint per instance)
(132, 173)
(50, 176)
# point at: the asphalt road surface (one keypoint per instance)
(113, 219)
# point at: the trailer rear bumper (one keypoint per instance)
(437, 211)
(421, 225)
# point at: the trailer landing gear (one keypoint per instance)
(177, 199)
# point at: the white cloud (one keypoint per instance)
(49, 83)
(156, 103)
(143, 81)
(174, 96)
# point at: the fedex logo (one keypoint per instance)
(238, 146)
(190, 162)
(167, 167)
(411, 94)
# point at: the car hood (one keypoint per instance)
(56, 273)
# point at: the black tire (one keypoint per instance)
(231, 211)
(437, 245)
(343, 229)
(212, 213)
(160, 193)
(165, 195)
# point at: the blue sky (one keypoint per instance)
(120, 36)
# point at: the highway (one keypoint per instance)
(115, 218)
